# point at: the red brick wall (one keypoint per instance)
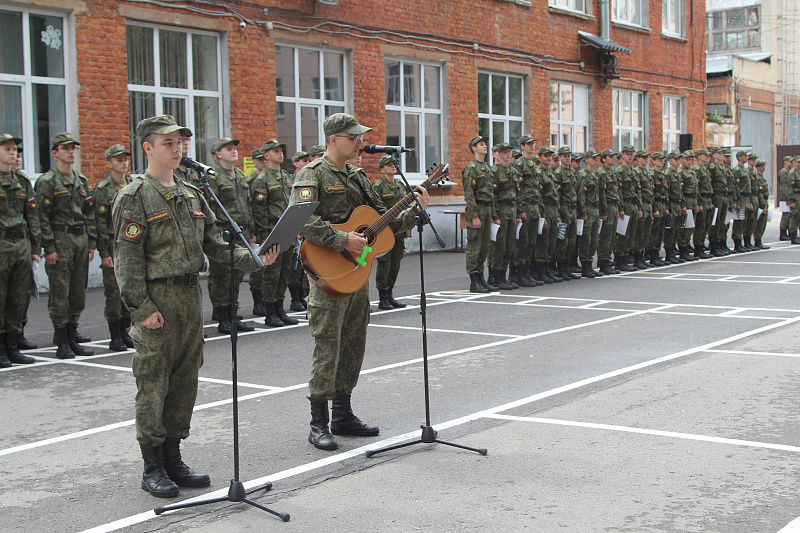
(543, 41)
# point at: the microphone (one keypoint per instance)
(375, 149)
(188, 162)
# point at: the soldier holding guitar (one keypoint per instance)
(338, 319)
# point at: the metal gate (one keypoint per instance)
(755, 129)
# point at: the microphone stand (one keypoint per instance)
(236, 493)
(428, 433)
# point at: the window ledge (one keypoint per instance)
(674, 37)
(524, 3)
(630, 26)
(569, 12)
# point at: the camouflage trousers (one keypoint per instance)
(608, 233)
(590, 237)
(389, 264)
(738, 230)
(703, 221)
(68, 278)
(114, 309)
(219, 284)
(478, 240)
(297, 277)
(785, 216)
(657, 231)
(276, 277)
(684, 233)
(546, 241)
(625, 243)
(565, 246)
(339, 328)
(644, 229)
(525, 246)
(750, 221)
(719, 231)
(167, 362)
(16, 279)
(761, 223)
(794, 219)
(502, 249)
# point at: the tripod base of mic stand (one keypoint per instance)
(236, 494)
(428, 436)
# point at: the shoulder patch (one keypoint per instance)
(305, 193)
(132, 231)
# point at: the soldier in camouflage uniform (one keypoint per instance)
(269, 197)
(568, 213)
(116, 314)
(390, 191)
(784, 187)
(528, 198)
(505, 182)
(721, 201)
(22, 342)
(705, 207)
(762, 190)
(546, 241)
(256, 279)
(741, 200)
(163, 226)
(752, 215)
(187, 174)
(19, 246)
(590, 205)
(316, 151)
(477, 182)
(690, 202)
(609, 197)
(793, 200)
(630, 200)
(660, 200)
(339, 324)
(66, 214)
(676, 209)
(298, 281)
(646, 222)
(230, 186)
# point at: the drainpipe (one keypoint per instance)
(605, 20)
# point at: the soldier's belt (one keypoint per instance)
(189, 280)
(508, 202)
(483, 202)
(13, 233)
(75, 230)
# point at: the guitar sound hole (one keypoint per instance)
(361, 230)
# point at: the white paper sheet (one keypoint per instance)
(35, 270)
(599, 226)
(579, 226)
(494, 229)
(622, 225)
(770, 214)
(689, 219)
(519, 227)
(714, 218)
(541, 225)
(784, 207)
(729, 217)
(758, 213)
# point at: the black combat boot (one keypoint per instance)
(737, 246)
(716, 249)
(5, 362)
(760, 245)
(475, 284)
(685, 254)
(395, 303)
(513, 277)
(224, 326)
(622, 264)
(344, 422)
(638, 261)
(542, 273)
(177, 470)
(795, 239)
(530, 274)
(607, 268)
(124, 327)
(383, 303)
(487, 286)
(320, 435)
(784, 235)
(272, 319)
(586, 270)
(77, 349)
(258, 304)
(115, 344)
(63, 350)
(242, 326)
(154, 478)
(13, 352)
(522, 277)
(552, 270)
(23, 343)
(500, 280)
(281, 313)
(490, 280)
(700, 252)
(297, 300)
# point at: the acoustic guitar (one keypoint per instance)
(343, 273)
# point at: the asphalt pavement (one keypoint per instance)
(663, 400)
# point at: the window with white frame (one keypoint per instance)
(414, 113)
(572, 5)
(673, 122)
(629, 117)
(310, 85)
(174, 72)
(630, 12)
(500, 108)
(569, 115)
(734, 28)
(33, 82)
(672, 17)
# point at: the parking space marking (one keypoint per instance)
(745, 352)
(435, 330)
(655, 432)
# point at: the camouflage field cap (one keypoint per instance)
(384, 160)
(299, 155)
(627, 148)
(578, 156)
(786, 158)
(495, 148)
(589, 154)
(117, 149)
(316, 150)
(525, 139)
(545, 150)
(761, 163)
(63, 138)
(270, 144)
(657, 155)
(225, 141)
(796, 158)
(700, 151)
(741, 153)
(713, 150)
(516, 152)
(475, 140)
(564, 150)
(160, 125)
(674, 155)
(258, 152)
(503, 146)
(5, 137)
(607, 152)
(726, 151)
(535, 158)
(641, 153)
(343, 123)
(687, 154)
(751, 155)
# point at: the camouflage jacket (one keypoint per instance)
(719, 181)
(762, 190)
(608, 187)
(529, 194)
(505, 182)
(741, 186)
(590, 199)
(660, 191)
(548, 186)
(689, 187)
(104, 194)
(390, 193)
(18, 209)
(477, 182)
(232, 191)
(567, 193)
(675, 190)
(628, 184)
(67, 201)
(269, 197)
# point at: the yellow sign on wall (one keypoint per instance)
(247, 166)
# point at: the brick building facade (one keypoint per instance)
(429, 75)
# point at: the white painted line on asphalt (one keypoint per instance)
(693, 277)
(744, 352)
(790, 280)
(434, 330)
(791, 527)
(734, 262)
(726, 278)
(487, 413)
(655, 432)
(592, 304)
(733, 311)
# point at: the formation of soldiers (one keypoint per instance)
(533, 215)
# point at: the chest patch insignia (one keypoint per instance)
(335, 188)
(47, 201)
(132, 231)
(197, 213)
(260, 197)
(305, 193)
(159, 216)
(168, 196)
(60, 192)
(102, 208)
(275, 186)
(32, 202)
